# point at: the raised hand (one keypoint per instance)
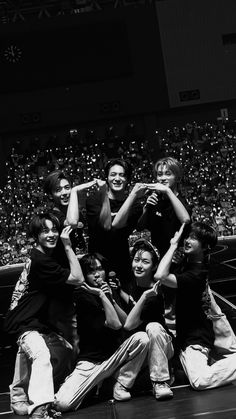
(175, 240)
(152, 291)
(91, 290)
(86, 185)
(65, 236)
(152, 199)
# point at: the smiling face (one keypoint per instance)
(117, 179)
(61, 193)
(193, 247)
(48, 237)
(96, 274)
(166, 176)
(143, 268)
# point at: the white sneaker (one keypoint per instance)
(120, 392)
(162, 391)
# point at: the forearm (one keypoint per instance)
(180, 210)
(72, 215)
(120, 220)
(120, 313)
(105, 214)
(163, 268)
(133, 318)
(76, 276)
(112, 319)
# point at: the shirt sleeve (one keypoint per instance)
(45, 272)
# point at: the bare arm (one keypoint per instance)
(133, 319)
(112, 319)
(180, 210)
(120, 220)
(76, 276)
(72, 216)
(163, 270)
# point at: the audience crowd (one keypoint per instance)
(207, 153)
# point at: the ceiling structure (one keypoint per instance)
(15, 11)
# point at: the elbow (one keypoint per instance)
(186, 219)
(128, 326)
(116, 325)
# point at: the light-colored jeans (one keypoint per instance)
(160, 352)
(202, 376)
(125, 363)
(60, 356)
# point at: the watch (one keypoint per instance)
(12, 54)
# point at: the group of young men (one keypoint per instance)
(77, 316)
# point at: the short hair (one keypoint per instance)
(88, 263)
(146, 246)
(52, 180)
(172, 164)
(205, 233)
(38, 223)
(123, 163)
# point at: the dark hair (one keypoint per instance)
(172, 164)
(205, 233)
(146, 246)
(126, 166)
(52, 180)
(88, 263)
(38, 223)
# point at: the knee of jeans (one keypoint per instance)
(199, 382)
(43, 356)
(141, 337)
(154, 329)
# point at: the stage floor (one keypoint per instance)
(218, 403)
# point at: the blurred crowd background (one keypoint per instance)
(207, 153)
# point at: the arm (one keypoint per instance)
(76, 276)
(72, 216)
(105, 212)
(180, 211)
(120, 220)
(112, 319)
(133, 319)
(108, 292)
(163, 270)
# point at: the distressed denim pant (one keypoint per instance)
(125, 363)
(160, 352)
(202, 376)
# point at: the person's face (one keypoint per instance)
(142, 265)
(166, 176)
(192, 246)
(47, 238)
(96, 276)
(117, 180)
(61, 194)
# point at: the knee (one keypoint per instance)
(141, 338)
(199, 382)
(154, 329)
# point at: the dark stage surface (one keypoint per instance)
(218, 403)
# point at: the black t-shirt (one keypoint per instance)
(192, 325)
(97, 341)
(76, 237)
(112, 244)
(162, 222)
(153, 309)
(45, 300)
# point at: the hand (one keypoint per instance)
(175, 240)
(106, 289)
(102, 186)
(91, 290)
(86, 185)
(65, 236)
(139, 189)
(178, 256)
(152, 291)
(159, 187)
(152, 199)
(114, 285)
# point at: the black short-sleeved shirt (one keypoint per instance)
(97, 341)
(162, 222)
(192, 325)
(76, 237)
(45, 299)
(112, 244)
(153, 309)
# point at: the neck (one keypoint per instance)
(44, 250)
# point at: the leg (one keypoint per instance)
(160, 351)
(203, 376)
(36, 350)
(86, 375)
(19, 387)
